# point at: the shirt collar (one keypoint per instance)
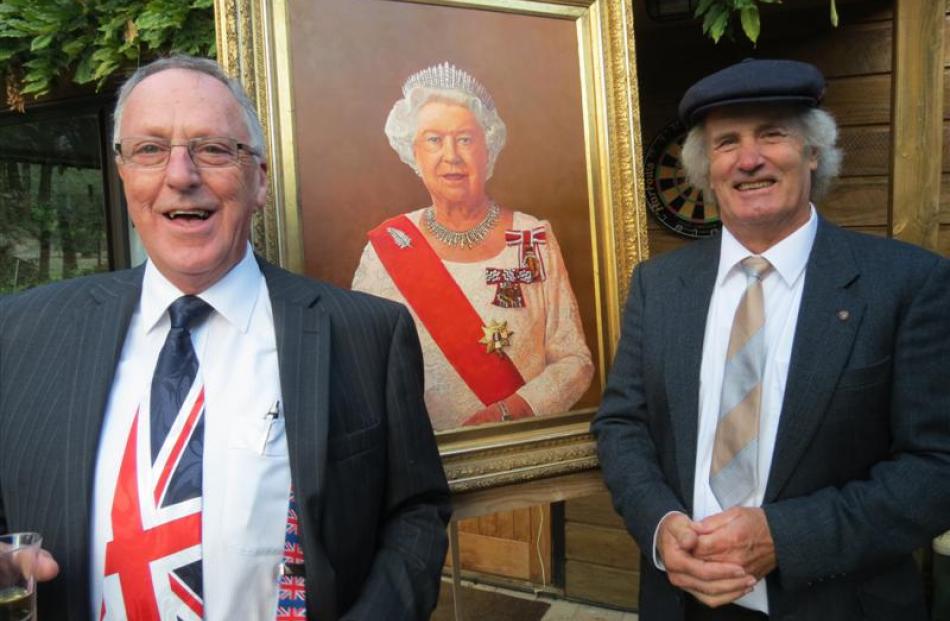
(788, 257)
(229, 296)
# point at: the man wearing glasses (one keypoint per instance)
(208, 436)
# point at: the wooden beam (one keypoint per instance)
(917, 122)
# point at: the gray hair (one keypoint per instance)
(819, 132)
(402, 122)
(198, 65)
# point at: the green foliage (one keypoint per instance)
(44, 41)
(719, 17)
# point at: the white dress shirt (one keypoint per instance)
(782, 290)
(246, 471)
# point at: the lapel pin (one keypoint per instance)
(843, 315)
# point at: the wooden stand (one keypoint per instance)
(510, 497)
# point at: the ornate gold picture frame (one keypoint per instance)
(284, 51)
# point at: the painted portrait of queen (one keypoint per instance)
(485, 282)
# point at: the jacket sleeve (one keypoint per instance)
(406, 572)
(628, 455)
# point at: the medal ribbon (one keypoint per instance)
(526, 238)
(498, 275)
(445, 311)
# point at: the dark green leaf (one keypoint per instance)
(72, 48)
(41, 42)
(105, 68)
(703, 6)
(718, 27)
(750, 23)
(713, 15)
(83, 73)
(38, 86)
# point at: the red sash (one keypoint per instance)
(443, 309)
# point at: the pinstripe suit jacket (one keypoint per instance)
(372, 493)
(860, 474)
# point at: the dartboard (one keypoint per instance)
(670, 197)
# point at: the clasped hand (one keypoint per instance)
(718, 559)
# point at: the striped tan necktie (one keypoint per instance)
(732, 475)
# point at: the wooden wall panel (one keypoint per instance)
(514, 544)
(946, 94)
(494, 555)
(867, 151)
(858, 49)
(602, 560)
(943, 235)
(857, 201)
(596, 510)
(860, 100)
(946, 147)
(943, 240)
(601, 584)
(602, 545)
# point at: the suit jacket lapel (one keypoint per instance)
(100, 329)
(302, 332)
(686, 328)
(828, 321)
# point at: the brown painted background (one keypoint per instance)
(350, 58)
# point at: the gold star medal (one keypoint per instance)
(497, 337)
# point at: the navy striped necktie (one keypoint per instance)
(175, 373)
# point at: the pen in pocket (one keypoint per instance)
(270, 417)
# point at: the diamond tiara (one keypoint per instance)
(448, 77)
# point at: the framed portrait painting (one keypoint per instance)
(479, 162)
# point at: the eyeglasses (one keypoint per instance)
(211, 152)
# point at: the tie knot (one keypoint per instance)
(756, 266)
(187, 310)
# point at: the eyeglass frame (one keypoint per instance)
(189, 147)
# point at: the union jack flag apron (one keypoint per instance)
(153, 563)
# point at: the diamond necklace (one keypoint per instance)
(462, 239)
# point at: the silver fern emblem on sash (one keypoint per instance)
(400, 238)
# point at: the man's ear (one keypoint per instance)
(262, 185)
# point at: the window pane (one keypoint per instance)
(52, 209)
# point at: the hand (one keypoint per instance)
(711, 582)
(46, 567)
(740, 536)
(517, 408)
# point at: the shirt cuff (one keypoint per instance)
(657, 561)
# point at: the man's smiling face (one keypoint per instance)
(760, 171)
(194, 222)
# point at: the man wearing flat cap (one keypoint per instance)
(775, 430)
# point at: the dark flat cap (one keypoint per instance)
(753, 81)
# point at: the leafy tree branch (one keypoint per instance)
(46, 42)
(720, 17)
